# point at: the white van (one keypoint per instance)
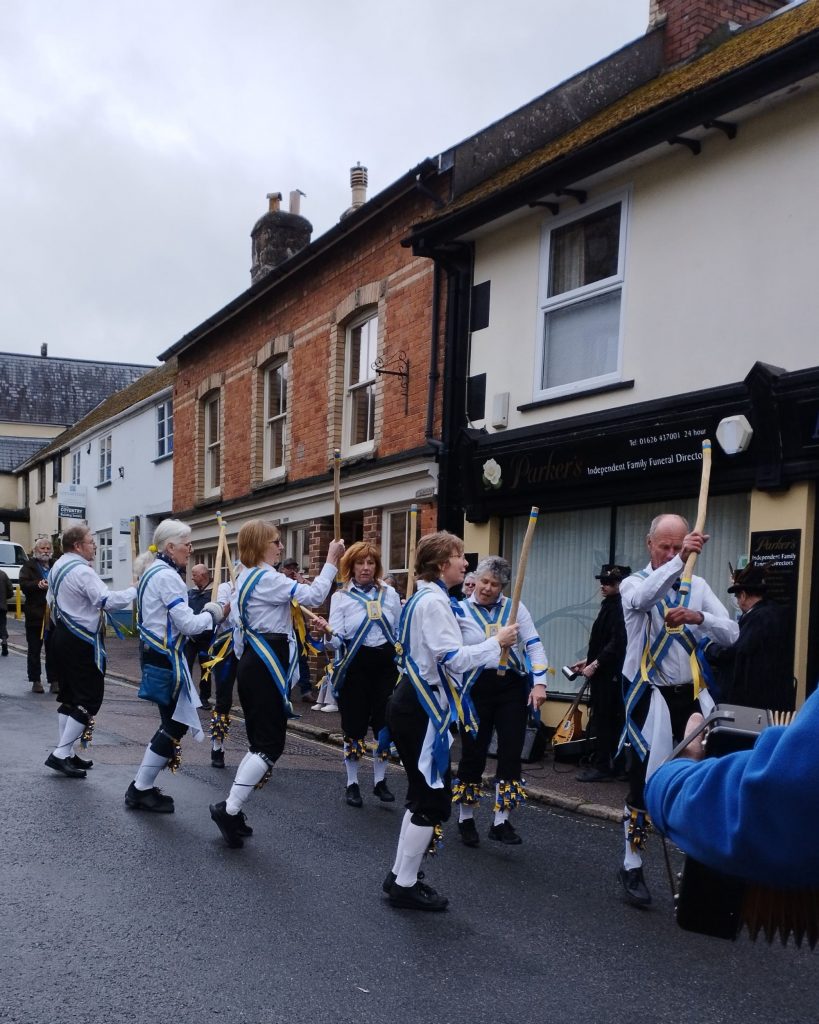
(12, 557)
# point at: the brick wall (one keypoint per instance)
(689, 22)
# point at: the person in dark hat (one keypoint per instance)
(603, 667)
(758, 668)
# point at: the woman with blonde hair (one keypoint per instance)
(165, 621)
(364, 618)
(266, 648)
(424, 704)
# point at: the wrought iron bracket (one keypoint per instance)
(401, 361)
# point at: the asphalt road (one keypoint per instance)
(116, 916)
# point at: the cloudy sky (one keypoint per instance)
(138, 140)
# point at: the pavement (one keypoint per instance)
(548, 782)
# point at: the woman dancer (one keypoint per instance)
(421, 709)
(364, 619)
(501, 703)
(266, 649)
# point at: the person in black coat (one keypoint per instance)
(757, 671)
(34, 585)
(603, 667)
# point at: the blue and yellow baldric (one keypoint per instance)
(257, 642)
(172, 647)
(221, 647)
(374, 616)
(440, 717)
(652, 656)
(96, 639)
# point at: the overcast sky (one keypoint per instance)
(138, 141)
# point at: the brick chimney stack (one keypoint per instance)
(689, 22)
(278, 234)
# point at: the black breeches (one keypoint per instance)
(367, 686)
(681, 705)
(224, 676)
(500, 704)
(265, 718)
(82, 685)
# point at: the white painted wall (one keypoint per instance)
(720, 269)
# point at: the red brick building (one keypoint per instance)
(330, 348)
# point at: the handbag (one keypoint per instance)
(156, 685)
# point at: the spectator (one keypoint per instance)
(6, 595)
(196, 648)
(34, 585)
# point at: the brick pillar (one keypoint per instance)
(372, 526)
(321, 533)
(689, 22)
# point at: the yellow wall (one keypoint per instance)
(795, 509)
(483, 537)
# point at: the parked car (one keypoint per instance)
(12, 557)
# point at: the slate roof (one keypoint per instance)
(16, 450)
(151, 383)
(54, 391)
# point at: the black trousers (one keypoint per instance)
(169, 730)
(35, 647)
(82, 685)
(408, 725)
(681, 705)
(265, 719)
(500, 703)
(607, 714)
(367, 686)
(224, 676)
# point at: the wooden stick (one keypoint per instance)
(336, 494)
(702, 505)
(134, 553)
(413, 540)
(519, 578)
(312, 617)
(217, 566)
(229, 560)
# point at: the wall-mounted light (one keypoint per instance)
(121, 471)
(734, 434)
(88, 449)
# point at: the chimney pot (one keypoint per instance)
(358, 184)
(273, 201)
(44, 350)
(295, 200)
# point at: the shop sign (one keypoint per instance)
(72, 501)
(777, 551)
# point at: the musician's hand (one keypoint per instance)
(335, 551)
(507, 636)
(683, 617)
(589, 670)
(696, 748)
(693, 544)
(43, 584)
(538, 695)
(578, 666)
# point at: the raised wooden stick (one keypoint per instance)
(520, 575)
(702, 505)
(217, 566)
(336, 494)
(231, 570)
(413, 540)
(312, 617)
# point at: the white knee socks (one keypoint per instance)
(72, 730)
(379, 770)
(399, 853)
(152, 765)
(251, 770)
(415, 844)
(631, 858)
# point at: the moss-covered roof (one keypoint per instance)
(739, 52)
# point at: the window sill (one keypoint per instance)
(620, 385)
(104, 483)
(358, 451)
(162, 458)
(210, 499)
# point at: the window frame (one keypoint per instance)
(164, 436)
(401, 573)
(347, 447)
(105, 458)
(41, 482)
(212, 451)
(580, 295)
(274, 472)
(75, 466)
(105, 553)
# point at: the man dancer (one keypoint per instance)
(34, 584)
(664, 625)
(79, 600)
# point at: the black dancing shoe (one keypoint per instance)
(63, 765)
(469, 834)
(242, 828)
(504, 833)
(594, 775)
(381, 790)
(206, 704)
(354, 795)
(80, 762)
(227, 825)
(416, 897)
(389, 882)
(148, 800)
(217, 759)
(634, 886)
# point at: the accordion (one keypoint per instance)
(713, 903)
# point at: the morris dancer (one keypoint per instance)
(79, 602)
(501, 703)
(266, 649)
(425, 703)
(364, 619)
(666, 626)
(165, 621)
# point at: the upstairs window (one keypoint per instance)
(56, 473)
(41, 483)
(275, 418)
(213, 445)
(359, 383)
(580, 307)
(105, 460)
(75, 467)
(164, 429)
